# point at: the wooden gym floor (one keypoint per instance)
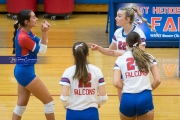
(62, 35)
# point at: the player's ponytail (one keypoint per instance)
(80, 52)
(142, 18)
(21, 17)
(16, 26)
(141, 57)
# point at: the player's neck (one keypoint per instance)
(128, 28)
(25, 29)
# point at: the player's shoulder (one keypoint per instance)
(22, 35)
(125, 55)
(137, 29)
(70, 68)
(94, 67)
(120, 58)
(119, 30)
(151, 56)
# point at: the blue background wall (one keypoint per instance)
(169, 42)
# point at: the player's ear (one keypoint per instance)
(127, 19)
(26, 22)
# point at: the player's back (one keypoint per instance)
(134, 81)
(83, 96)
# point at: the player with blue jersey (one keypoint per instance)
(84, 82)
(135, 66)
(26, 47)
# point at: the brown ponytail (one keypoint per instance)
(80, 52)
(142, 18)
(16, 26)
(142, 59)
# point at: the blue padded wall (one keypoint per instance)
(2, 1)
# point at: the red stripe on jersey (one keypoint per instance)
(25, 42)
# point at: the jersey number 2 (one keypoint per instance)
(86, 85)
(130, 63)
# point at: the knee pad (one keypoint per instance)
(19, 110)
(49, 108)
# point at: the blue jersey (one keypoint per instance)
(27, 47)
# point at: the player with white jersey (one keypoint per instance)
(84, 82)
(120, 38)
(125, 19)
(83, 96)
(135, 66)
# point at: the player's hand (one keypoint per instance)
(99, 105)
(93, 46)
(65, 107)
(115, 53)
(45, 26)
(45, 22)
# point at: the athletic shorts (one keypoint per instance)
(136, 103)
(87, 114)
(24, 74)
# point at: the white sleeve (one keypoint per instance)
(65, 79)
(40, 41)
(101, 80)
(43, 49)
(114, 39)
(142, 36)
(117, 65)
(153, 60)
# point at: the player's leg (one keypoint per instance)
(145, 107)
(39, 90)
(128, 107)
(123, 117)
(23, 98)
(147, 116)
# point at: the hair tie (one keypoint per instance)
(78, 46)
(16, 22)
(135, 44)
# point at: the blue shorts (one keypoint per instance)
(24, 74)
(87, 114)
(136, 103)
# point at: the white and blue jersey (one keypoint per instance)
(134, 81)
(83, 96)
(119, 37)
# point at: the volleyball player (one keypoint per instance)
(84, 82)
(27, 46)
(135, 66)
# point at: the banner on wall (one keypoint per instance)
(164, 18)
